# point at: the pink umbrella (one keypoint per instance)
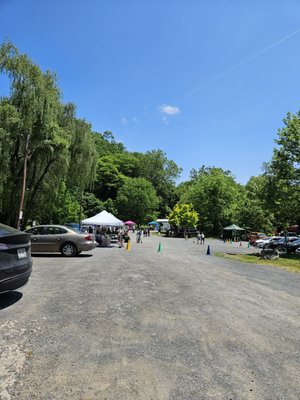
(129, 223)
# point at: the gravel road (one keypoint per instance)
(142, 324)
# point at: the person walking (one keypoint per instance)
(139, 236)
(202, 238)
(120, 238)
(198, 237)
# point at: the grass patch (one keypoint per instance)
(290, 262)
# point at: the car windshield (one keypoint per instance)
(7, 230)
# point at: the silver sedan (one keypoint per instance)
(60, 239)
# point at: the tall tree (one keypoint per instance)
(216, 196)
(35, 99)
(254, 210)
(283, 174)
(42, 142)
(162, 173)
(137, 200)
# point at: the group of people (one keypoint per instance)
(200, 237)
(124, 236)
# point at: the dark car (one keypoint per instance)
(291, 247)
(60, 239)
(280, 242)
(275, 243)
(15, 258)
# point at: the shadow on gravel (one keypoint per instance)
(10, 298)
(57, 255)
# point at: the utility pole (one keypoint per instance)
(20, 218)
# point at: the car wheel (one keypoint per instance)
(68, 250)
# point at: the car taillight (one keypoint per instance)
(3, 246)
(88, 237)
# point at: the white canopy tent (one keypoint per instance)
(103, 219)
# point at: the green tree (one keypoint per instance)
(216, 196)
(91, 205)
(105, 144)
(137, 201)
(36, 142)
(184, 216)
(44, 147)
(283, 174)
(162, 173)
(108, 178)
(254, 212)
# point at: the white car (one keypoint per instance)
(261, 242)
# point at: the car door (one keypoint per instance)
(55, 236)
(37, 234)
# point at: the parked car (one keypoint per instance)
(15, 258)
(254, 236)
(60, 239)
(263, 243)
(291, 247)
(281, 243)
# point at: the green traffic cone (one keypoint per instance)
(159, 248)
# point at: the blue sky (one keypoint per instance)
(208, 82)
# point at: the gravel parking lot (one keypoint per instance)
(141, 324)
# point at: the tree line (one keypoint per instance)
(55, 168)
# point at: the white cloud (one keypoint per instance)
(135, 120)
(170, 110)
(124, 121)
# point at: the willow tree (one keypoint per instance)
(82, 160)
(36, 142)
(44, 147)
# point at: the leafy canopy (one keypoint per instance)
(184, 216)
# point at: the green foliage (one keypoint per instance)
(283, 174)
(184, 216)
(91, 205)
(255, 214)
(108, 178)
(216, 196)
(137, 201)
(40, 134)
(162, 173)
(67, 209)
(106, 144)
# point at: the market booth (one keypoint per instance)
(232, 232)
(105, 225)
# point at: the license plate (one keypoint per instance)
(21, 253)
